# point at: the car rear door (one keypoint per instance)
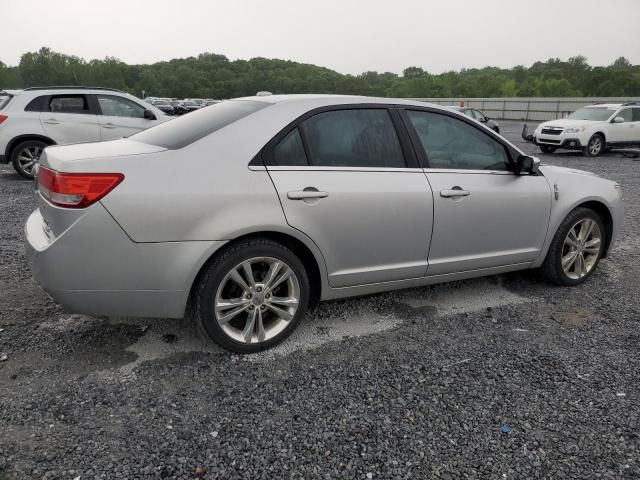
(484, 215)
(350, 183)
(624, 132)
(70, 118)
(120, 117)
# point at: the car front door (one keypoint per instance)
(484, 215)
(623, 132)
(69, 118)
(346, 180)
(120, 117)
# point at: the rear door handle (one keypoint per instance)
(108, 125)
(51, 121)
(302, 194)
(454, 192)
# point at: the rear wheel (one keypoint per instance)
(594, 147)
(547, 149)
(25, 156)
(252, 296)
(576, 248)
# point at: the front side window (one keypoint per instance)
(119, 107)
(626, 114)
(452, 143)
(478, 115)
(636, 114)
(69, 104)
(353, 138)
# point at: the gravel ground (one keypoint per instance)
(498, 378)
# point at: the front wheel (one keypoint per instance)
(547, 149)
(576, 248)
(594, 147)
(252, 296)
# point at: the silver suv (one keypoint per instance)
(36, 117)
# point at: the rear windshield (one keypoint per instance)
(185, 130)
(5, 98)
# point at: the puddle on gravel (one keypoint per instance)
(332, 321)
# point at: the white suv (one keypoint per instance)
(592, 129)
(34, 118)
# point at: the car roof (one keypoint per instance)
(605, 105)
(330, 99)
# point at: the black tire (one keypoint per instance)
(17, 156)
(547, 149)
(595, 146)
(552, 266)
(214, 275)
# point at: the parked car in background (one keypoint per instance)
(591, 129)
(187, 106)
(211, 102)
(300, 198)
(34, 118)
(479, 116)
(165, 106)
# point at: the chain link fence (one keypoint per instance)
(531, 109)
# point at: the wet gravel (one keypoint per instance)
(497, 378)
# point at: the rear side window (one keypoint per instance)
(290, 151)
(183, 131)
(37, 104)
(68, 104)
(353, 138)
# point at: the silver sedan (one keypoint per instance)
(248, 210)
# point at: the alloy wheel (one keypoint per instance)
(257, 299)
(581, 248)
(595, 146)
(28, 157)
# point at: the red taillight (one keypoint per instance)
(75, 190)
(3, 118)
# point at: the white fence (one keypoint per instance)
(533, 108)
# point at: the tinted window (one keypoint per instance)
(353, 138)
(185, 130)
(477, 115)
(626, 114)
(36, 105)
(290, 151)
(119, 107)
(68, 104)
(636, 114)
(452, 143)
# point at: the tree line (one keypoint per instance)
(214, 76)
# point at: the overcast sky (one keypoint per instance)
(346, 35)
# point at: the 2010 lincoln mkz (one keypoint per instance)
(248, 210)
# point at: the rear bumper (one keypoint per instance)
(94, 268)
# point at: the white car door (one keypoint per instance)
(484, 215)
(69, 118)
(121, 117)
(624, 132)
(344, 180)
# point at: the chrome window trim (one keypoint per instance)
(462, 170)
(335, 169)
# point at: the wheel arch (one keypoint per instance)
(607, 219)
(22, 138)
(309, 255)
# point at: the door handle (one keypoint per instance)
(303, 194)
(108, 125)
(454, 192)
(51, 121)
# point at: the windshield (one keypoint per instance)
(592, 113)
(187, 129)
(190, 104)
(4, 100)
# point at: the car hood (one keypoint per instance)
(56, 155)
(567, 123)
(552, 170)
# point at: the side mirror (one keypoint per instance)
(618, 120)
(526, 165)
(149, 115)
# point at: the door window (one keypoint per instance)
(626, 114)
(69, 104)
(353, 138)
(478, 116)
(636, 114)
(452, 143)
(119, 107)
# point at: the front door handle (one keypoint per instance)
(51, 121)
(454, 192)
(307, 193)
(109, 125)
